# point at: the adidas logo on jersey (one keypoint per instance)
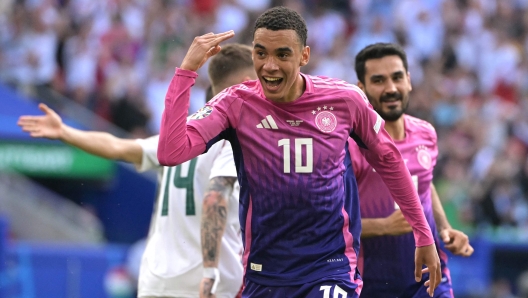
(267, 123)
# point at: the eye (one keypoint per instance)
(260, 54)
(283, 55)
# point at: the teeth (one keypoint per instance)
(272, 79)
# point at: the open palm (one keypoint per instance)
(45, 126)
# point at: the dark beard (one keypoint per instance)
(393, 114)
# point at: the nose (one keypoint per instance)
(270, 65)
(390, 87)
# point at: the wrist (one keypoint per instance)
(441, 228)
(63, 132)
(384, 227)
(214, 274)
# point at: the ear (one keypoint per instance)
(361, 86)
(252, 52)
(409, 80)
(305, 56)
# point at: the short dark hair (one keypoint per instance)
(209, 93)
(376, 51)
(231, 59)
(282, 18)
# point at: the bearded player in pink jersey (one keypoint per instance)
(299, 210)
(385, 262)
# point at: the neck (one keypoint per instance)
(396, 129)
(297, 89)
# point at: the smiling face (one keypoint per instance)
(277, 57)
(387, 86)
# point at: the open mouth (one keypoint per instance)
(272, 83)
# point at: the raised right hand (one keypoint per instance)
(396, 224)
(46, 126)
(202, 48)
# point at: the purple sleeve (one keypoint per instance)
(178, 142)
(383, 155)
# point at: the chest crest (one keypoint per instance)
(424, 157)
(325, 119)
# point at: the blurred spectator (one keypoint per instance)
(468, 62)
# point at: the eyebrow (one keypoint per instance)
(379, 76)
(283, 49)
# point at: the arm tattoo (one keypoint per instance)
(207, 285)
(214, 217)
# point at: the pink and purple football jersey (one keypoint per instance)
(387, 262)
(299, 208)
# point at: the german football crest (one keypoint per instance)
(424, 158)
(325, 120)
(202, 113)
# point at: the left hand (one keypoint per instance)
(427, 255)
(456, 242)
(205, 288)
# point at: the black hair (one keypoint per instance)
(282, 18)
(376, 51)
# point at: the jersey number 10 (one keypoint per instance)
(179, 181)
(299, 144)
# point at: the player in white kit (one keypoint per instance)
(171, 265)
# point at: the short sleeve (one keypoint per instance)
(149, 160)
(224, 164)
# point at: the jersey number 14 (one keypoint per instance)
(182, 182)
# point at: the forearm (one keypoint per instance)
(387, 161)
(214, 217)
(102, 144)
(372, 227)
(438, 211)
(178, 142)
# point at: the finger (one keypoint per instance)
(36, 134)
(29, 128)
(44, 108)
(224, 36)
(433, 281)
(418, 271)
(427, 283)
(27, 119)
(213, 37)
(213, 51)
(445, 236)
(468, 251)
(425, 270)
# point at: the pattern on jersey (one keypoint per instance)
(202, 113)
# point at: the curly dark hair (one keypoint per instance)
(282, 18)
(376, 51)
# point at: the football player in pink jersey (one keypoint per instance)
(299, 209)
(385, 262)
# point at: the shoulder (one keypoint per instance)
(238, 92)
(338, 87)
(420, 126)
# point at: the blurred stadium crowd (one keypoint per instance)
(468, 64)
